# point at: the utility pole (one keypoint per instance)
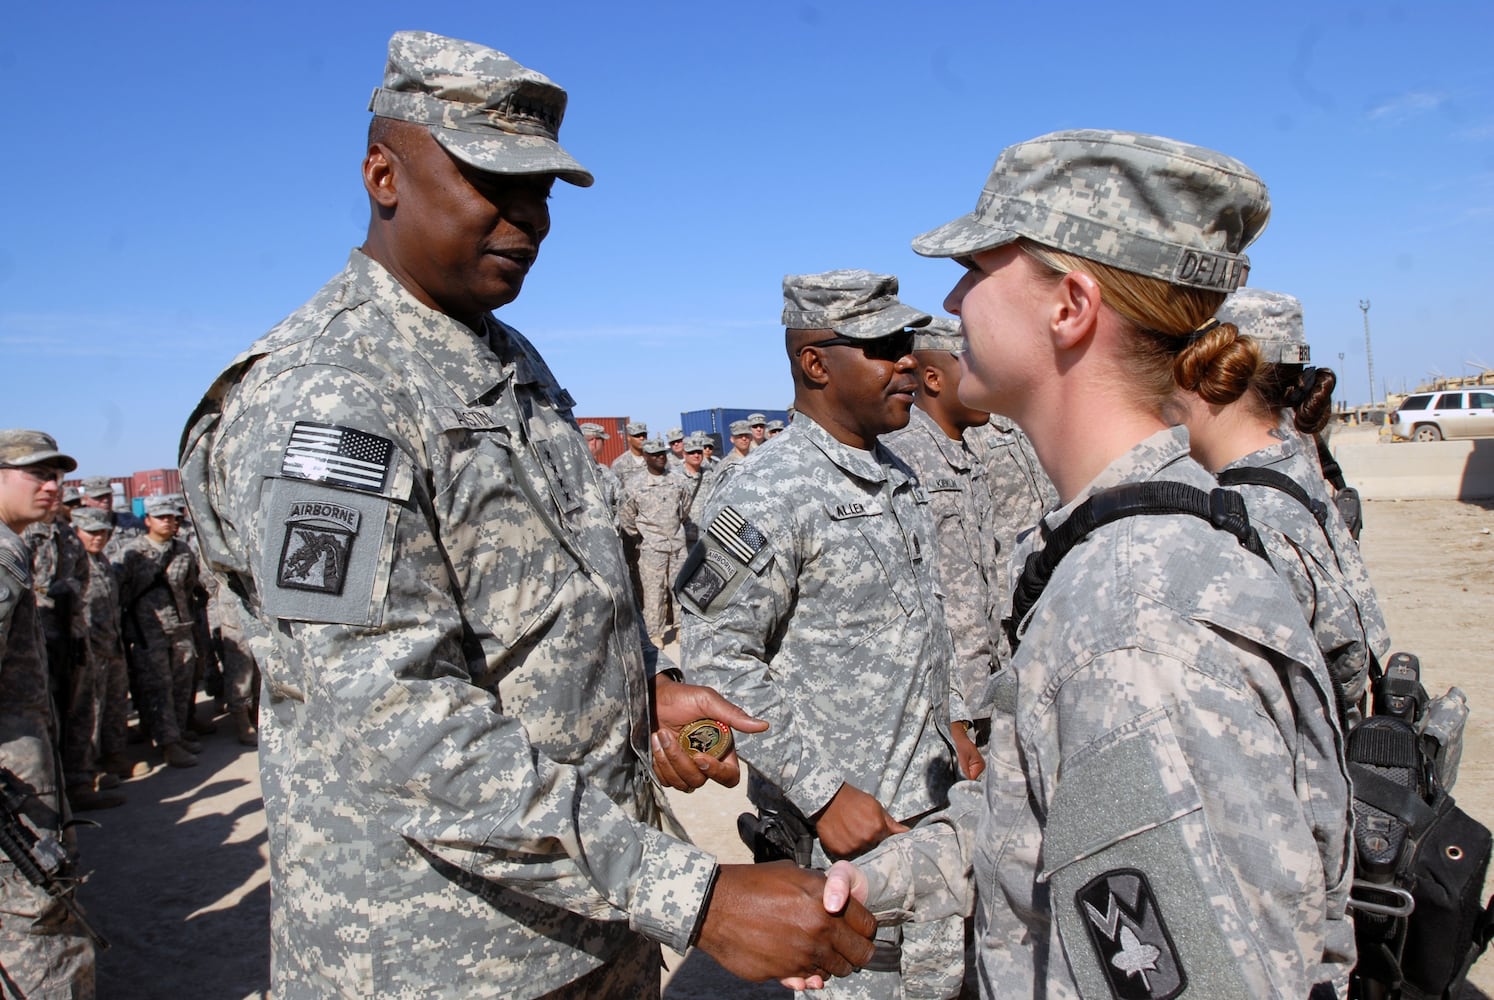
(1369, 355)
(1345, 404)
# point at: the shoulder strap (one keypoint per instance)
(1250, 476)
(1222, 508)
(1332, 471)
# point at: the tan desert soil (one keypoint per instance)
(180, 879)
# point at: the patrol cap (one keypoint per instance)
(595, 431)
(674, 434)
(93, 519)
(70, 495)
(636, 428)
(942, 334)
(97, 486)
(775, 425)
(1271, 319)
(853, 303)
(20, 447)
(482, 107)
(739, 427)
(1152, 206)
(655, 446)
(757, 420)
(695, 442)
(162, 507)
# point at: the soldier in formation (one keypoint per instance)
(656, 514)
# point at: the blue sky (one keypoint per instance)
(180, 176)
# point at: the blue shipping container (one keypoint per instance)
(715, 423)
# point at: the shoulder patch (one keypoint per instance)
(736, 535)
(1119, 911)
(325, 553)
(337, 456)
(318, 546)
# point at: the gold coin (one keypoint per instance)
(707, 736)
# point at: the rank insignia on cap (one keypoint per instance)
(1135, 949)
(736, 534)
(338, 456)
(318, 546)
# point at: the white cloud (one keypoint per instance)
(1407, 106)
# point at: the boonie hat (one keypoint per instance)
(97, 486)
(739, 427)
(942, 334)
(637, 427)
(1142, 203)
(20, 447)
(93, 519)
(655, 446)
(853, 303)
(482, 107)
(595, 431)
(1271, 319)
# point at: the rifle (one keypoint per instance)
(40, 859)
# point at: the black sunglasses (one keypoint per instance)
(888, 348)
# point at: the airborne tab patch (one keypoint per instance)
(1135, 949)
(337, 456)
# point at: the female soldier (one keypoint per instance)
(1255, 445)
(1165, 806)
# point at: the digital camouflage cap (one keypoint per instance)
(1271, 319)
(853, 303)
(1142, 203)
(942, 334)
(482, 107)
(98, 486)
(19, 447)
(594, 431)
(655, 446)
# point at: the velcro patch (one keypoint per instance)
(326, 554)
(853, 508)
(318, 546)
(737, 535)
(944, 484)
(338, 456)
(1126, 930)
(1218, 272)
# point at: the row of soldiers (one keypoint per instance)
(126, 612)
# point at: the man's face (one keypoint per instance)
(464, 237)
(869, 389)
(635, 443)
(27, 494)
(693, 460)
(594, 445)
(678, 447)
(657, 462)
(93, 541)
(162, 528)
(742, 441)
(102, 503)
(759, 433)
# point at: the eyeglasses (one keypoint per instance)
(40, 473)
(888, 348)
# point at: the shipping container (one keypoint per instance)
(617, 441)
(156, 483)
(716, 423)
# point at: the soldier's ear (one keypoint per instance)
(933, 379)
(380, 176)
(811, 362)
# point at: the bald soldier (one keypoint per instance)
(456, 745)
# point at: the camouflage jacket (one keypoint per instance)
(156, 581)
(1166, 798)
(811, 602)
(59, 573)
(27, 727)
(454, 749)
(656, 510)
(102, 609)
(965, 527)
(1302, 552)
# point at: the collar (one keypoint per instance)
(954, 450)
(871, 466)
(1141, 463)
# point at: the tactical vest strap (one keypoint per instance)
(1222, 508)
(1276, 481)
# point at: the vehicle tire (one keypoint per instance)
(1428, 432)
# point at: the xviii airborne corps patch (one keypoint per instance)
(319, 540)
(1125, 927)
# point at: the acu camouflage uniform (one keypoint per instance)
(156, 581)
(453, 750)
(107, 658)
(59, 576)
(1165, 801)
(966, 529)
(811, 602)
(656, 512)
(43, 951)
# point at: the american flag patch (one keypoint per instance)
(340, 456)
(737, 534)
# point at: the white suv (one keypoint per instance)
(1451, 413)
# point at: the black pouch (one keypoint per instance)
(1449, 929)
(1350, 509)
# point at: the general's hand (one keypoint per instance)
(769, 922)
(843, 883)
(972, 762)
(677, 705)
(853, 822)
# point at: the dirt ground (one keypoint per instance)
(181, 880)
